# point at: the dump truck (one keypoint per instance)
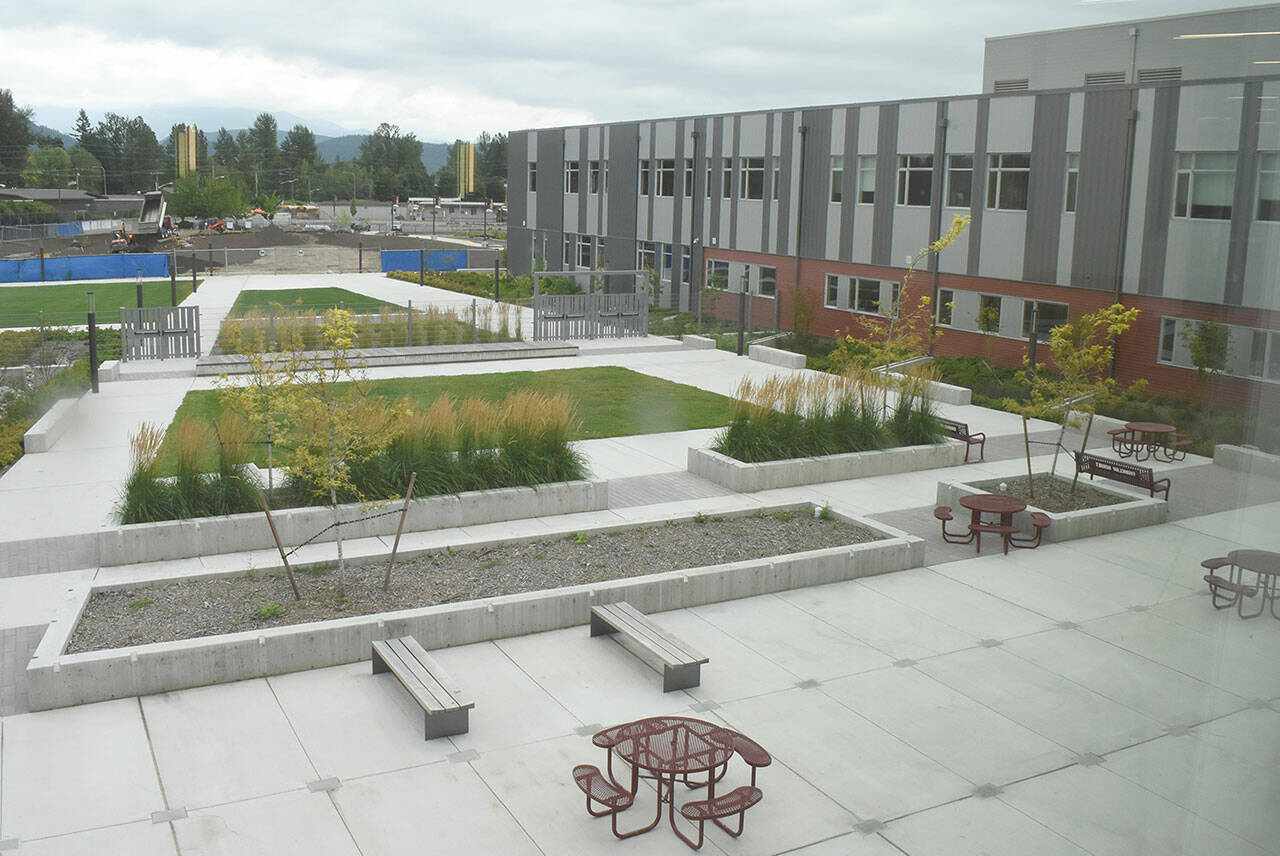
(145, 234)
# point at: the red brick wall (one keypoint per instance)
(1137, 350)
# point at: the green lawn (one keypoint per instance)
(611, 402)
(20, 306)
(308, 298)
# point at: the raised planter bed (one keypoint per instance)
(748, 478)
(181, 539)
(55, 679)
(1246, 460)
(1133, 512)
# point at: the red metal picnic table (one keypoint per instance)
(992, 503)
(1145, 440)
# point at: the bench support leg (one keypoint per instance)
(681, 677)
(600, 627)
(446, 723)
(379, 665)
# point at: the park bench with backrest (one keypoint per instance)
(680, 665)
(960, 431)
(444, 705)
(1120, 471)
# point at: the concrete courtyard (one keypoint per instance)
(1080, 698)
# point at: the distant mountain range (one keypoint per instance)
(332, 141)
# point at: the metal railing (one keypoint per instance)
(589, 316)
(159, 332)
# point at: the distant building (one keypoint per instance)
(184, 151)
(1143, 169)
(464, 157)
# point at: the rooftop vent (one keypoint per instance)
(1012, 85)
(1159, 75)
(1104, 78)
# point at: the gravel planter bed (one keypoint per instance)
(187, 609)
(1053, 493)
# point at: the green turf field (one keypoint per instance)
(20, 306)
(318, 299)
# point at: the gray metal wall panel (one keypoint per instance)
(784, 198)
(1044, 193)
(1100, 189)
(767, 214)
(519, 247)
(733, 198)
(815, 172)
(849, 187)
(936, 186)
(698, 207)
(517, 177)
(624, 161)
(1242, 206)
(678, 237)
(886, 185)
(551, 196)
(653, 176)
(979, 200)
(717, 193)
(584, 180)
(1159, 203)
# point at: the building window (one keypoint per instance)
(751, 178)
(1050, 315)
(688, 177)
(837, 177)
(1269, 186)
(710, 178)
(686, 264)
(570, 176)
(593, 176)
(832, 299)
(533, 177)
(726, 178)
(1206, 182)
(959, 181)
(777, 176)
(1168, 338)
(768, 286)
(946, 304)
(667, 177)
(1007, 178)
(1257, 353)
(665, 273)
(645, 167)
(895, 289)
(1073, 181)
(989, 313)
(568, 251)
(717, 274)
(866, 295)
(584, 251)
(867, 178)
(604, 184)
(915, 179)
(646, 258)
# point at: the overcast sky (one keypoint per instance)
(451, 70)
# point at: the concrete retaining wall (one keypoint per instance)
(1136, 512)
(776, 356)
(748, 478)
(221, 364)
(58, 680)
(1252, 461)
(180, 539)
(41, 436)
(693, 341)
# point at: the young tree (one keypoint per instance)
(1082, 353)
(15, 136)
(1210, 346)
(337, 421)
(47, 166)
(262, 393)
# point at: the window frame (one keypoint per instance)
(646, 249)
(866, 168)
(953, 170)
(532, 176)
(911, 170)
(856, 286)
(1002, 175)
(831, 294)
(1187, 175)
(1268, 171)
(643, 178)
(751, 178)
(688, 178)
(947, 304)
(567, 255)
(726, 178)
(1071, 190)
(593, 177)
(584, 251)
(984, 300)
(665, 176)
(1028, 309)
(776, 180)
(763, 278)
(572, 176)
(836, 195)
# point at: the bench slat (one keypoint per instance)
(421, 675)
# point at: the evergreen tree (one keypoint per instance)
(15, 137)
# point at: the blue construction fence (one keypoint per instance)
(61, 268)
(394, 260)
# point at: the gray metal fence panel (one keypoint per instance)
(159, 332)
(589, 316)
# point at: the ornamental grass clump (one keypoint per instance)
(800, 416)
(145, 498)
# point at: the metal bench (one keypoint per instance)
(445, 706)
(960, 431)
(681, 665)
(737, 801)
(1120, 471)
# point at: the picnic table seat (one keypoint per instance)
(1006, 531)
(680, 664)
(943, 513)
(602, 790)
(1219, 584)
(960, 431)
(736, 802)
(1040, 521)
